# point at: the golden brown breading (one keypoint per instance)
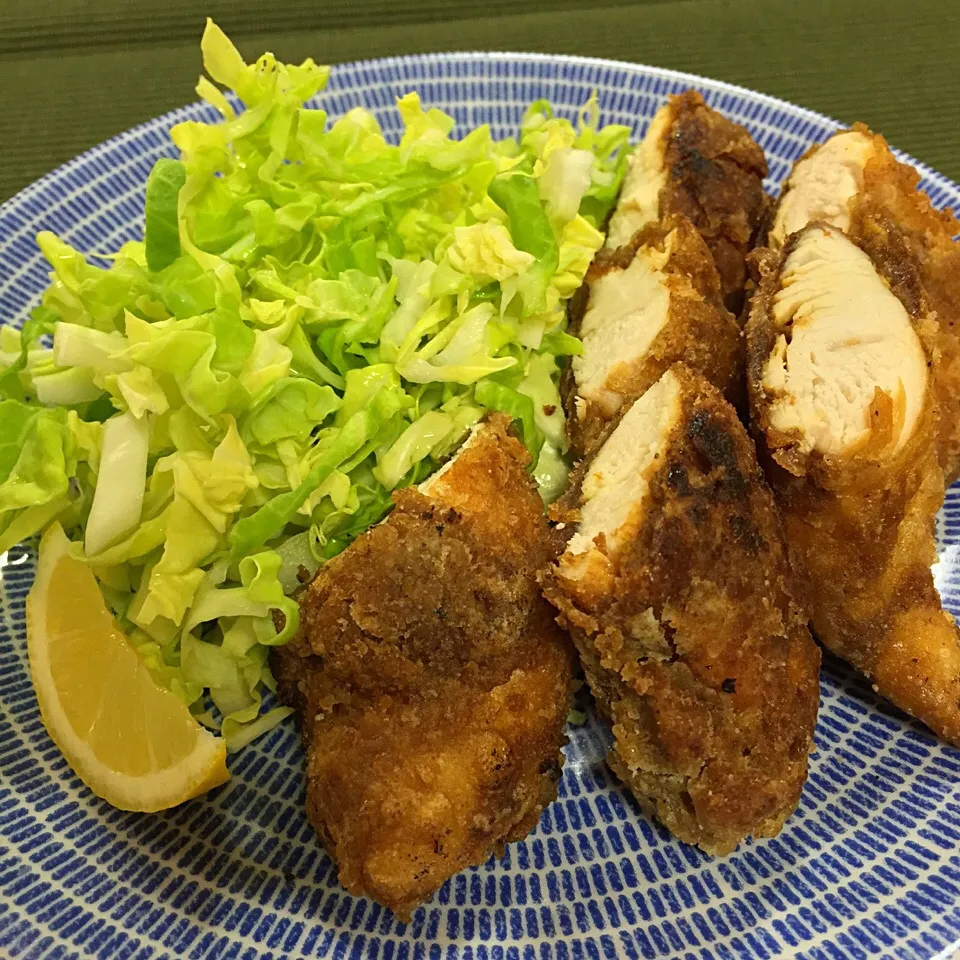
(876, 187)
(431, 681)
(684, 617)
(860, 522)
(706, 168)
(695, 327)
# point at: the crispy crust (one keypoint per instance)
(716, 171)
(892, 199)
(700, 331)
(431, 682)
(694, 646)
(860, 528)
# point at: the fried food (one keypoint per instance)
(852, 180)
(677, 591)
(695, 162)
(840, 342)
(431, 682)
(649, 304)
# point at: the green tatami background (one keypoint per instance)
(74, 72)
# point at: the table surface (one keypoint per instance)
(74, 72)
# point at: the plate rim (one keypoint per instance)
(695, 79)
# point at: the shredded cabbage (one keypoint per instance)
(316, 316)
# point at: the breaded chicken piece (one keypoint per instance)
(695, 162)
(677, 592)
(649, 304)
(853, 179)
(840, 343)
(431, 682)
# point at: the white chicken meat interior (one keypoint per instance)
(844, 335)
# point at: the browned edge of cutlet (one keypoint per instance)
(896, 224)
(716, 172)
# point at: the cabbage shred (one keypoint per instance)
(316, 317)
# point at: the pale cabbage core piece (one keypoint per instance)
(822, 185)
(616, 484)
(627, 309)
(639, 202)
(845, 334)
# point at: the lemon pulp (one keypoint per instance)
(133, 742)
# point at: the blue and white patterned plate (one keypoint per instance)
(869, 866)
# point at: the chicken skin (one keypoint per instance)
(431, 681)
(649, 304)
(697, 163)
(840, 344)
(676, 589)
(852, 180)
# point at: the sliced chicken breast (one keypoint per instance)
(842, 336)
(431, 681)
(840, 344)
(853, 182)
(646, 179)
(651, 303)
(823, 184)
(676, 589)
(695, 162)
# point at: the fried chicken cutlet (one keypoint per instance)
(854, 179)
(431, 681)
(840, 343)
(695, 162)
(677, 591)
(649, 304)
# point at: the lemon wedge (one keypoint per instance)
(130, 740)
